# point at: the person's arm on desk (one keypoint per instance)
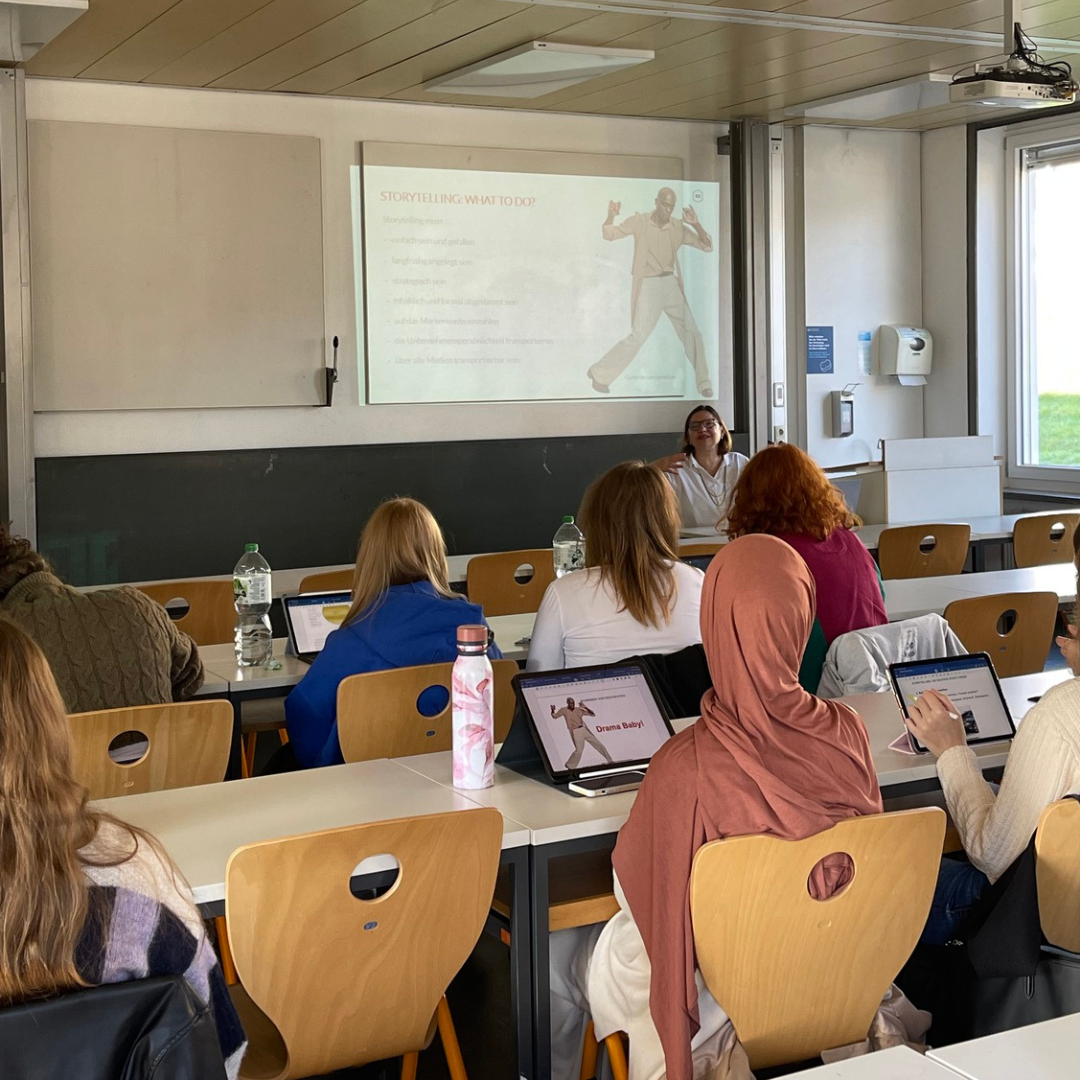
(546, 651)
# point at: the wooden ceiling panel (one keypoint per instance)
(91, 35)
(389, 48)
(183, 27)
(269, 28)
(442, 24)
(321, 44)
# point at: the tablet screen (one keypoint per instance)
(594, 717)
(312, 616)
(970, 684)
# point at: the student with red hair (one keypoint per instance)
(783, 492)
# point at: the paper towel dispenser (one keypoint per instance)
(906, 352)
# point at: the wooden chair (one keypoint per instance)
(492, 584)
(1044, 538)
(370, 982)
(1024, 647)
(689, 551)
(913, 551)
(189, 743)
(796, 975)
(210, 618)
(377, 715)
(1057, 873)
(331, 581)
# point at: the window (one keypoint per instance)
(1045, 308)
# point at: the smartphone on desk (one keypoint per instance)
(611, 784)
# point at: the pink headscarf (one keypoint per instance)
(765, 757)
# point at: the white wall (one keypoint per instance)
(863, 256)
(341, 125)
(944, 283)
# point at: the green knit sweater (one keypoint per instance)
(108, 649)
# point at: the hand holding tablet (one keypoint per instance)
(934, 722)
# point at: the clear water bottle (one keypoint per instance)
(251, 596)
(473, 715)
(568, 547)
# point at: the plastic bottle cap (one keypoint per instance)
(472, 635)
(568, 519)
(251, 547)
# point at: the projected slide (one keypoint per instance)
(501, 286)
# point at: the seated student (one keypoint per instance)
(766, 757)
(1043, 766)
(108, 649)
(703, 475)
(634, 596)
(403, 613)
(784, 492)
(87, 899)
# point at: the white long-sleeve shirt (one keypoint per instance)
(579, 622)
(705, 499)
(1043, 766)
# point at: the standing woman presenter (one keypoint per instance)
(704, 472)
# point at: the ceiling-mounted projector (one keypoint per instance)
(1022, 81)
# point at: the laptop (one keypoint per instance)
(309, 618)
(970, 683)
(596, 728)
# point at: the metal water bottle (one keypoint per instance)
(473, 715)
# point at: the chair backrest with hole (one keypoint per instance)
(690, 551)
(346, 981)
(331, 581)
(377, 714)
(210, 618)
(493, 583)
(189, 743)
(1016, 629)
(1044, 538)
(798, 975)
(912, 551)
(1057, 873)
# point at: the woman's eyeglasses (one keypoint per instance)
(703, 425)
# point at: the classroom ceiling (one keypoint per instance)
(387, 48)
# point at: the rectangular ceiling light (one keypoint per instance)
(536, 69)
(880, 102)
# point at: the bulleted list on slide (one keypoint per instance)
(496, 286)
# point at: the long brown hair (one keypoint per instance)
(631, 521)
(401, 543)
(783, 490)
(724, 445)
(44, 823)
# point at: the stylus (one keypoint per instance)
(1035, 699)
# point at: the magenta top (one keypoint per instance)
(848, 587)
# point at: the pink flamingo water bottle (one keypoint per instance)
(473, 710)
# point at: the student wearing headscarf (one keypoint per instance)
(766, 757)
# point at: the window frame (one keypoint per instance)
(1022, 429)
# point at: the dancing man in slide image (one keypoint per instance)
(656, 287)
(574, 715)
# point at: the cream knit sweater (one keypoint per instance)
(1043, 766)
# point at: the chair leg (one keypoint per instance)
(228, 968)
(451, 1049)
(408, 1066)
(283, 735)
(589, 1054)
(247, 759)
(617, 1056)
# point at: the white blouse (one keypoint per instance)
(704, 499)
(579, 622)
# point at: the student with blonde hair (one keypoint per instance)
(87, 899)
(403, 613)
(634, 596)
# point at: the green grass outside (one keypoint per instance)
(1059, 429)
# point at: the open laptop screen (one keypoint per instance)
(592, 719)
(311, 617)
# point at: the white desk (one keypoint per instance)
(1046, 1051)
(897, 1063)
(1060, 579)
(253, 681)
